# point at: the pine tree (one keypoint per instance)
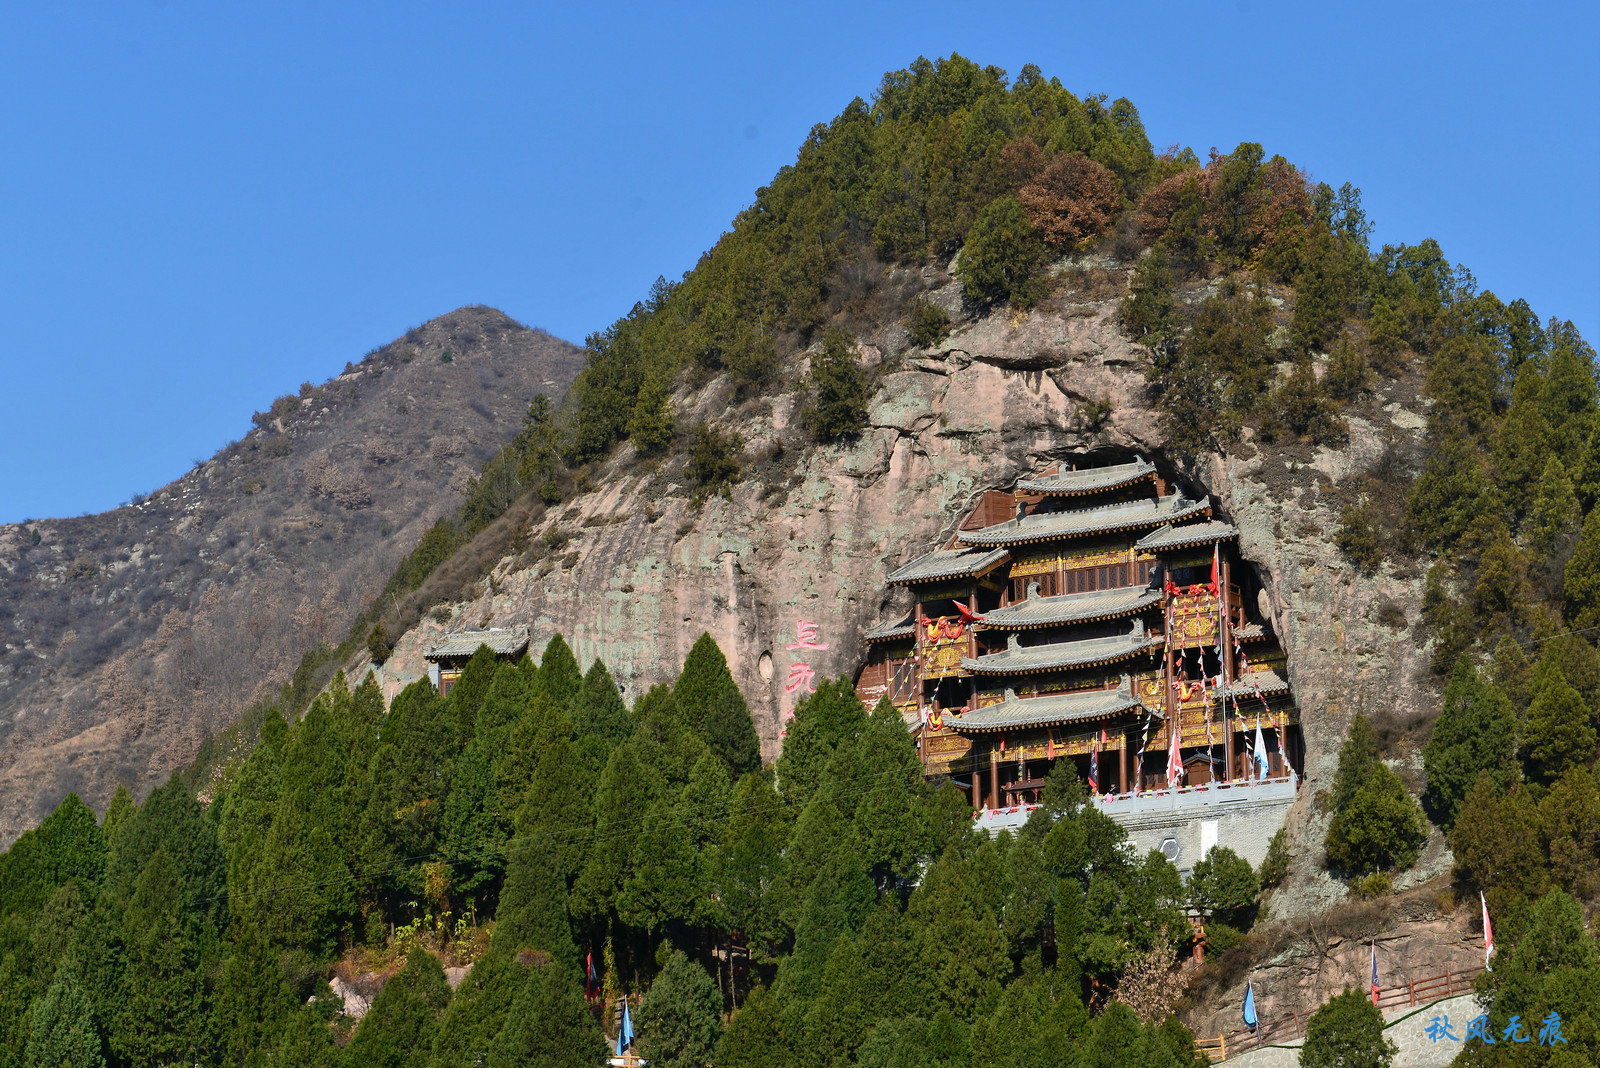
(1558, 734)
(1002, 254)
(822, 721)
(468, 691)
(63, 1032)
(477, 1011)
(548, 1025)
(165, 1012)
(399, 1029)
(731, 734)
(680, 1018)
(650, 425)
(1580, 585)
(1554, 515)
(533, 905)
(1376, 825)
(705, 677)
(1553, 967)
(1495, 840)
(559, 670)
(253, 1003)
(757, 1036)
(623, 798)
(667, 880)
(839, 386)
(1569, 822)
(599, 709)
(958, 936)
(1223, 887)
(891, 829)
(1149, 311)
(838, 1019)
(1476, 731)
(1500, 595)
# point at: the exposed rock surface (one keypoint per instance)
(811, 533)
(126, 637)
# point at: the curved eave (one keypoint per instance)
(976, 568)
(976, 538)
(1123, 612)
(898, 634)
(977, 667)
(1044, 485)
(1063, 719)
(1203, 534)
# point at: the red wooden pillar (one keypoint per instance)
(994, 778)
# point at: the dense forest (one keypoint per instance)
(834, 908)
(531, 825)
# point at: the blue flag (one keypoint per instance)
(1262, 761)
(1249, 1006)
(625, 1032)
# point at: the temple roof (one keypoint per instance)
(466, 642)
(1072, 608)
(1249, 632)
(1088, 480)
(1059, 655)
(949, 563)
(1270, 682)
(889, 629)
(1171, 537)
(1015, 712)
(1049, 526)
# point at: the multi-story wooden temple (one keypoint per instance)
(1085, 617)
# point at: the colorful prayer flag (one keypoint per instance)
(1374, 971)
(1249, 1012)
(1488, 933)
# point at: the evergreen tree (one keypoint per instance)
(1376, 824)
(164, 1012)
(838, 1018)
(468, 692)
(1149, 311)
(1558, 735)
(1553, 966)
(651, 424)
(477, 1011)
(1476, 731)
(62, 1033)
(1569, 822)
(599, 709)
(668, 880)
(839, 410)
(117, 812)
(1580, 586)
(253, 1003)
(559, 670)
(680, 1018)
(533, 905)
(821, 722)
(1554, 515)
(548, 1025)
(621, 802)
(1223, 887)
(1001, 257)
(1495, 840)
(958, 936)
(891, 830)
(399, 1029)
(731, 734)
(705, 678)
(1347, 1032)
(757, 1036)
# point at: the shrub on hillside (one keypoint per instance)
(1347, 1032)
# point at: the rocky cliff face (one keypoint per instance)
(811, 533)
(127, 637)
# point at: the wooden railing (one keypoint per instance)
(1450, 982)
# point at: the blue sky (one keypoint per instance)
(202, 205)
